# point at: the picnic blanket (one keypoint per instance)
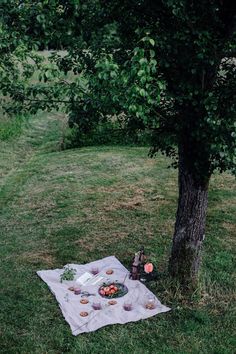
(109, 314)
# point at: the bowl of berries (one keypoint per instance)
(112, 290)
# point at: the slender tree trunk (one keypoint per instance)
(189, 227)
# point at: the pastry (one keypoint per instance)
(112, 302)
(83, 314)
(84, 301)
(150, 306)
(109, 271)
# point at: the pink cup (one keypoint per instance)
(96, 306)
(77, 291)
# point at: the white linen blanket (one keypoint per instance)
(109, 314)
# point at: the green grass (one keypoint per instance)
(79, 205)
(11, 127)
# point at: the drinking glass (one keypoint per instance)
(150, 302)
(94, 270)
(77, 291)
(97, 305)
(127, 306)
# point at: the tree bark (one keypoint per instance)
(189, 227)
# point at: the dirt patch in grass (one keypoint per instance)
(131, 204)
(134, 198)
(98, 240)
(42, 206)
(107, 189)
(230, 227)
(224, 204)
(223, 181)
(37, 257)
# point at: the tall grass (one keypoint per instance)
(10, 127)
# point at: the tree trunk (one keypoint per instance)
(189, 227)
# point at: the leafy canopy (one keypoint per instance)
(166, 66)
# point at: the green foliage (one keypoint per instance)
(165, 65)
(11, 127)
(107, 133)
(68, 274)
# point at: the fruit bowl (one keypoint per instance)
(112, 290)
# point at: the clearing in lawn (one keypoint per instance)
(76, 206)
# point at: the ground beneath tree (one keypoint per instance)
(79, 205)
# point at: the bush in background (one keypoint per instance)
(106, 133)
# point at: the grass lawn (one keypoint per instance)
(79, 205)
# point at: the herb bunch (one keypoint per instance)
(68, 274)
